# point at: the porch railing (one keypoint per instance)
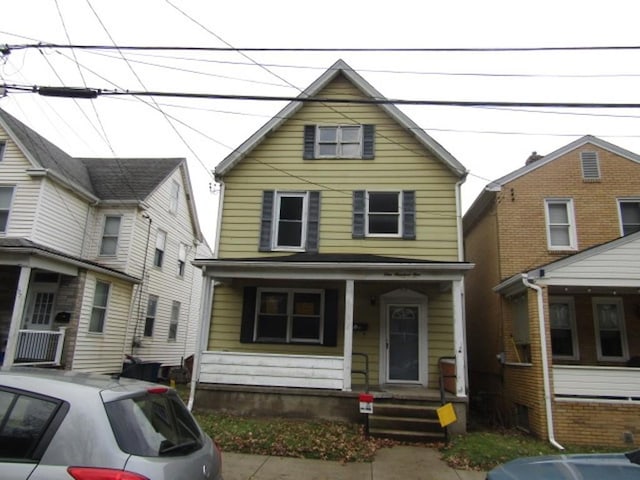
(596, 383)
(39, 347)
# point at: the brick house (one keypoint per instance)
(553, 304)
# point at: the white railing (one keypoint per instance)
(39, 347)
(267, 369)
(596, 383)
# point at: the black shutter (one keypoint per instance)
(330, 318)
(358, 214)
(248, 314)
(409, 215)
(309, 149)
(266, 220)
(313, 222)
(368, 141)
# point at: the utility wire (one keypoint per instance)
(323, 49)
(79, 92)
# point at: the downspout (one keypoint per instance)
(545, 361)
(459, 228)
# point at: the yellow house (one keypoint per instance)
(338, 263)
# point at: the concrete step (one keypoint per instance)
(407, 436)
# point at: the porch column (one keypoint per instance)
(348, 334)
(459, 338)
(17, 316)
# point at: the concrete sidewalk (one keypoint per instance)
(396, 463)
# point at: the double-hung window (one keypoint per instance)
(173, 321)
(161, 241)
(629, 216)
(182, 259)
(561, 232)
(290, 214)
(99, 309)
(6, 197)
(150, 319)
(564, 342)
(289, 316)
(290, 221)
(384, 214)
(611, 338)
(110, 234)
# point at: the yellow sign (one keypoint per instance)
(446, 415)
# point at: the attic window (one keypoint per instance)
(2, 147)
(339, 141)
(590, 166)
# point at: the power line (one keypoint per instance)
(80, 92)
(41, 45)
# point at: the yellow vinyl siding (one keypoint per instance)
(225, 329)
(400, 163)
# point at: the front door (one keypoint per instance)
(404, 338)
(40, 308)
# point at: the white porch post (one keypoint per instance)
(458, 338)
(16, 317)
(348, 333)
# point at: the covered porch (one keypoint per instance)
(395, 320)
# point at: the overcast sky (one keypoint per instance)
(489, 142)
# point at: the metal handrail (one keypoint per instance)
(364, 372)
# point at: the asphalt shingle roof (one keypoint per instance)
(106, 178)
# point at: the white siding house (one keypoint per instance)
(78, 259)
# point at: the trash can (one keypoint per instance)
(147, 371)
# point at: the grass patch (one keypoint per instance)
(317, 439)
(485, 450)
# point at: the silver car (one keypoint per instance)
(61, 425)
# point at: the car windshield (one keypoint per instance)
(153, 425)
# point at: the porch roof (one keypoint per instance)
(333, 267)
(22, 251)
(612, 264)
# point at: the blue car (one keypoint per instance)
(601, 466)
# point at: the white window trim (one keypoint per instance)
(8, 210)
(174, 199)
(290, 294)
(117, 236)
(276, 221)
(573, 244)
(160, 234)
(182, 260)
(620, 202)
(106, 308)
(399, 214)
(339, 142)
(570, 301)
(147, 316)
(623, 330)
(174, 320)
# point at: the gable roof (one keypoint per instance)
(483, 200)
(340, 68)
(101, 179)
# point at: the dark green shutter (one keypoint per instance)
(409, 214)
(248, 314)
(309, 142)
(368, 141)
(358, 214)
(313, 222)
(266, 220)
(330, 318)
